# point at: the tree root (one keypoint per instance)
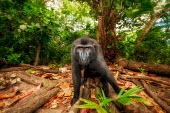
(155, 97)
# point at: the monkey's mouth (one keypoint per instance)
(84, 63)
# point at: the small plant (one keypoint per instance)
(124, 98)
(45, 84)
(144, 71)
(92, 105)
(103, 99)
(116, 64)
(127, 99)
(30, 71)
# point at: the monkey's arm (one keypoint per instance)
(76, 76)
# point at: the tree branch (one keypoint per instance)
(150, 23)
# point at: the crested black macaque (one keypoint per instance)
(87, 54)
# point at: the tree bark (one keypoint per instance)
(37, 54)
(35, 100)
(107, 31)
(152, 68)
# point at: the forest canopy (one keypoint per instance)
(41, 32)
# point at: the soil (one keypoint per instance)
(47, 89)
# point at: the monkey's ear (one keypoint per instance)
(73, 48)
(96, 48)
(73, 45)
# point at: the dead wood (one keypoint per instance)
(35, 100)
(26, 77)
(85, 94)
(155, 97)
(146, 78)
(23, 67)
(152, 68)
(136, 108)
(164, 99)
(44, 110)
(14, 69)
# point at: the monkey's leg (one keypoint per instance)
(105, 86)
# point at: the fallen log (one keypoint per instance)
(23, 67)
(146, 78)
(160, 69)
(28, 78)
(35, 100)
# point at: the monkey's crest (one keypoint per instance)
(84, 40)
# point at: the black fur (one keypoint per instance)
(87, 54)
(84, 40)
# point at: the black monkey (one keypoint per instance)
(87, 54)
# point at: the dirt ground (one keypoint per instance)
(47, 89)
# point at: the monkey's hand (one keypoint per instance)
(73, 101)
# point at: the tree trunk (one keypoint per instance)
(107, 36)
(37, 54)
(152, 68)
(107, 32)
(138, 51)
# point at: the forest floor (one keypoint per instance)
(45, 89)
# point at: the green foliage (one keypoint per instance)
(124, 98)
(24, 24)
(154, 47)
(45, 84)
(92, 105)
(30, 71)
(14, 58)
(142, 70)
(127, 43)
(103, 100)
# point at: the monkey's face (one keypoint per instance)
(85, 54)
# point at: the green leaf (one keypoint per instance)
(86, 101)
(106, 101)
(45, 84)
(86, 106)
(132, 91)
(135, 10)
(125, 101)
(121, 92)
(118, 6)
(140, 99)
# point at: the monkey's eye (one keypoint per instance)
(87, 48)
(81, 48)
